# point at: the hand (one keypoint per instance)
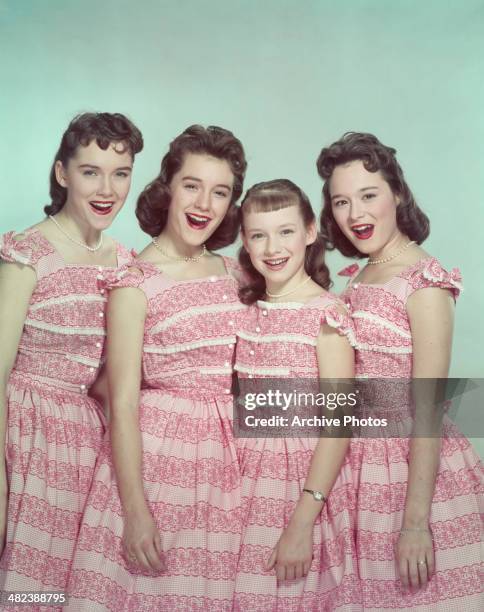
(293, 553)
(3, 519)
(415, 558)
(142, 544)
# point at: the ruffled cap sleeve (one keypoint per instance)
(128, 275)
(336, 316)
(19, 248)
(432, 274)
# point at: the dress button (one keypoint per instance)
(98, 345)
(100, 268)
(227, 391)
(213, 279)
(83, 387)
(101, 314)
(251, 376)
(356, 285)
(264, 312)
(91, 369)
(99, 277)
(102, 291)
(348, 305)
(231, 323)
(257, 329)
(251, 352)
(224, 297)
(231, 346)
(226, 364)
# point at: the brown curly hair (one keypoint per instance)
(276, 195)
(104, 128)
(154, 201)
(374, 155)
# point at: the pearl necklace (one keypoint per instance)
(176, 258)
(278, 295)
(373, 262)
(78, 242)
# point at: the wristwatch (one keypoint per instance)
(317, 495)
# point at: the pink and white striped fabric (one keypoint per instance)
(384, 349)
(190, 471)
(278, 340)
(54, 430)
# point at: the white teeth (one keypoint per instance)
(362, 228)
(276, 262)
(197, 218)
(99, 205)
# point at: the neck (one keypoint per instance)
(176, 248)
(78, 229)
(395, 243)
(286, 288)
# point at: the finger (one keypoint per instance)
(159, 550)
(422, 572)
(299, 571)
(272, 560)
(430, 557)
(403, 572)
(290, 572)
(281, 572)
(153, 558)
(306, 567)
(143, 561)
(413, 574)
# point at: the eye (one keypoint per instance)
(191, 186)
(287, 231)
(256, 236)
(89, 173)
(369, 196)
(221, 193)
(122, 173)
(338, 203)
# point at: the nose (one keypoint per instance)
(203, 200)
(357, 210)
(105, 187)
(272, 245)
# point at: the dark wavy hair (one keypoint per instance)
(154, 201)
(104, 128)
(374, 155)
(276, 195)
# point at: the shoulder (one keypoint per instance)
(26, 247)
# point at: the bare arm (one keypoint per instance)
(431, 313)
(17, 282)
(126, 317)
(293, 553)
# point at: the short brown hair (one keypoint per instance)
(154, 201)
(374, 155)
(104, 128)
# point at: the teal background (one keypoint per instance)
(286, 76)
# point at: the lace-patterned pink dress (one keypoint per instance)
(278, 340)
(190, 471)
(54, 429)
(384, 350)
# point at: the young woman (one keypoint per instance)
(419, 503)
(162, 525)
(52, 332)
(297, 543)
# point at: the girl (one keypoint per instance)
(52, 333)
(297, 546)
(418, 505)
(162, 525)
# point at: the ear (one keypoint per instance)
(60, 173)
(311, 233)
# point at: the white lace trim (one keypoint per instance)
(443, 277)
(397, 350)
(188, 346)
(262, 371)
(67, 330)
(95, 363)
(194, 311)
(222, 370)
(279, 305)
(269, 338)
(361, 314)
(67, 299)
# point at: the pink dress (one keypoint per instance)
(278, 340)
(190, 471)
(384, 350)
(54, 429)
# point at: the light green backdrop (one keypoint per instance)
(287, 76)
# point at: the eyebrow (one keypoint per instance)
(197, 180)
(98, 167)
(338, 195)
(257, 229)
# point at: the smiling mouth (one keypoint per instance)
(101, 208)
(276, 264)
(198, 222)
(363, 231)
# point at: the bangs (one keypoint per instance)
(268, 200)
